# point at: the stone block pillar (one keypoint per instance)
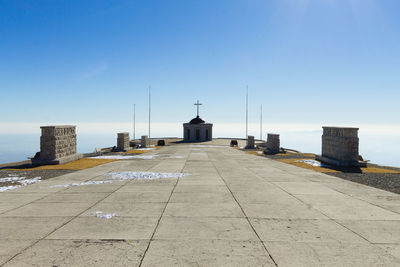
(250, 142)
(144, 141)
(57, 145)
(273, 144)
(123, 141)
(340, 146)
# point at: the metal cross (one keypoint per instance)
(198, 104)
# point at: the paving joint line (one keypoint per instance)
(252, 227)
(161, 216)
(62, 225)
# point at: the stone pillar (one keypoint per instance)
(340, 146)
(144, 141)
(123, 141)
(273, 144)
(250, 142)
(57, 145)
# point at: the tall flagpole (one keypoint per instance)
(149, 111)
(134, 122)
(247, 109)
(261, 122)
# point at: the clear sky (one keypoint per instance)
(305, 61)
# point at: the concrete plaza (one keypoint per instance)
(233, 209)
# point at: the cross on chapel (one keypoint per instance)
(197, 104)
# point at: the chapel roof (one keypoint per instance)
(197, 120)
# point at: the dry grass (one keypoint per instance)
(299, 163)
(79, 164)
(368, 169)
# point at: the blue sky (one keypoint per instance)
(305, 61)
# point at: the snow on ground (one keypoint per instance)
(314, 163)
(145, 148)
(20, 182)
(82, 184)
(100, 214)
(144, 175)
(123, 176)
(11, 179)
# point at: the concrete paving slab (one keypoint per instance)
(82, 253)
(90, 198)
(128, 209)
(217, 209)
(375, 231)
(100, 228)
(134, 197)
(43, 209)
(203, 197)
(17, 228)
(183, 228)
(304, 231)
(278, 211)
(304, 218)
(10, 247)
(206, 253)
(329, 254)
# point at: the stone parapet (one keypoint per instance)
(250, 142)
(273, 144)
(340, 146)
(144, 141)
(57, 145)
(123, 141)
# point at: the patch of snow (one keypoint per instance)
(176, 157)
(11, 179)
(144, 175)
(82, 184)
(100, 214)
(314, 163)
(260, 152)
(22, 183)
(123, 176)
(145, 148)
(106, 215)
(10, 187)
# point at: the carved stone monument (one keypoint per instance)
(144, 141)
(273, 144)
(57, 145)
(250, 142)
(123, 141)
(340, 147)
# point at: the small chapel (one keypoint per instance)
(197, 130)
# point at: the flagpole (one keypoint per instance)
(261, 122)
(247, 109)
(134, 122)
(149, 111)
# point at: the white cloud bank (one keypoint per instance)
(175, 129)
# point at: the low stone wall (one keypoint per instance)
(123, 141)
(273, 144)
(57, 145)
(340, 146)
